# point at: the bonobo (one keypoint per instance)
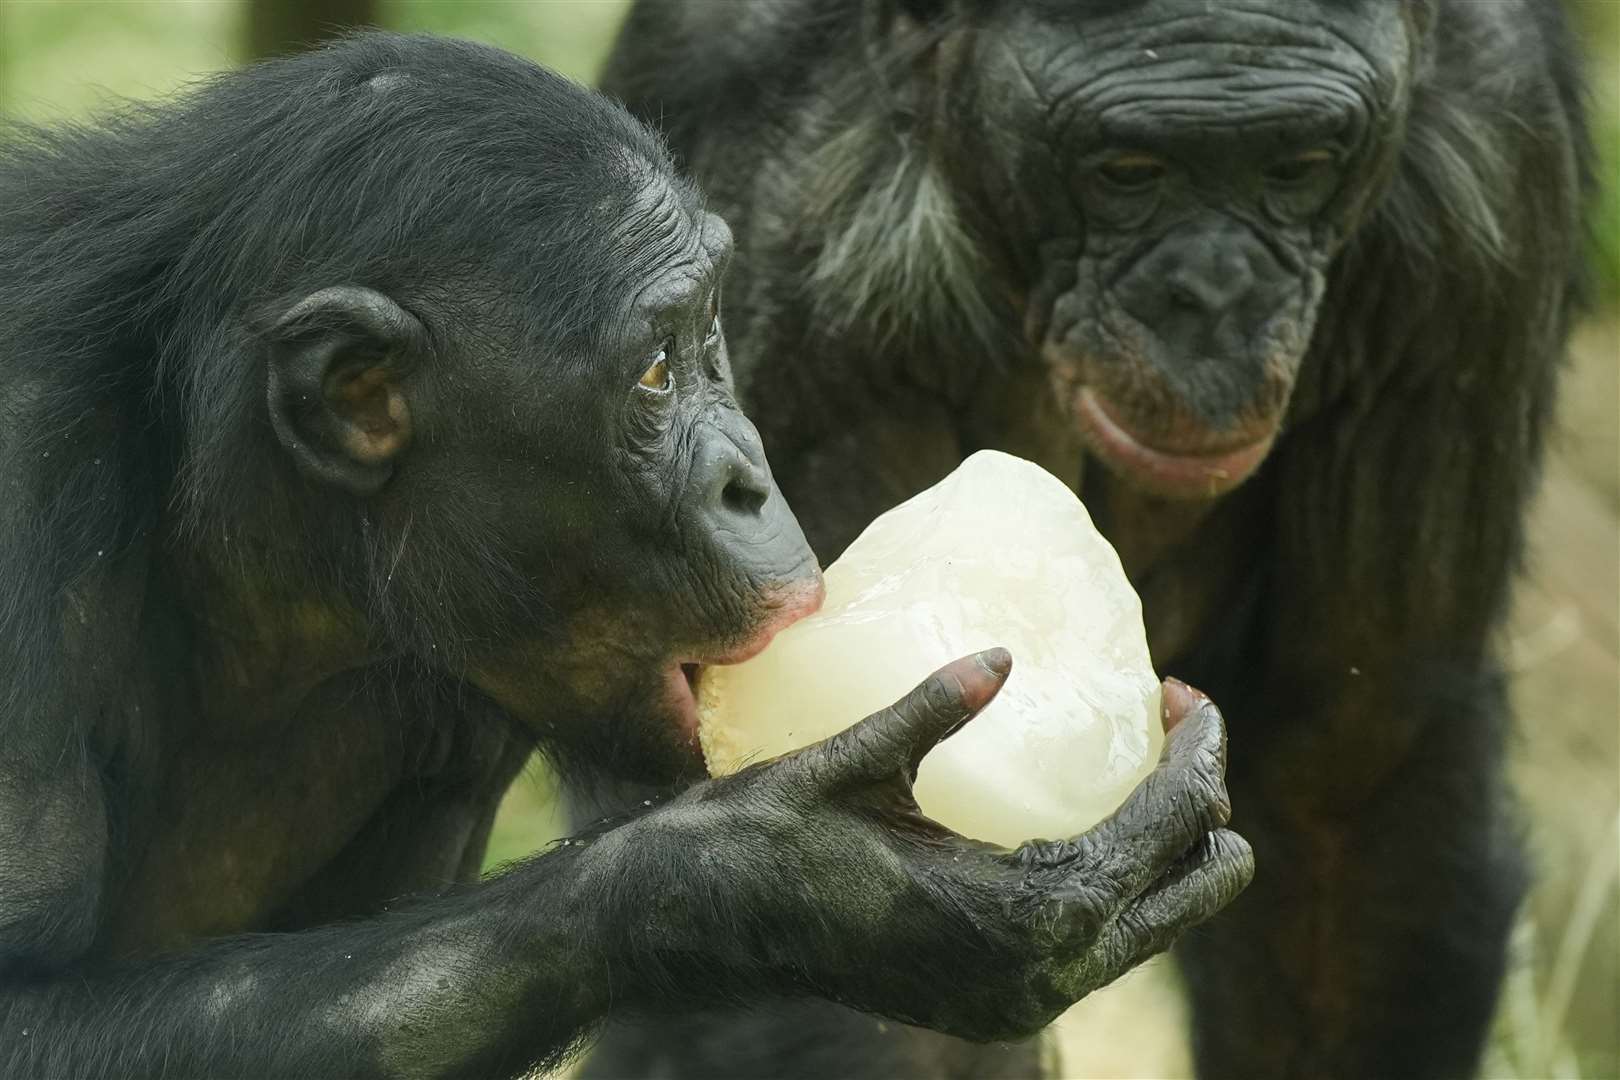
(367, 423)
(1281, 286)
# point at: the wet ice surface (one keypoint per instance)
(998, 553)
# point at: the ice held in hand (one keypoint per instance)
(1000, 552)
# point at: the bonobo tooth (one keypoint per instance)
(1000, 552)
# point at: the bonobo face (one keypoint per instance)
(702, 553)
(619, 461)
(1185, 173)
(530, 427)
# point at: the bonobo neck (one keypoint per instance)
(261, 645)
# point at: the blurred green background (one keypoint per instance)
(1561, 1010)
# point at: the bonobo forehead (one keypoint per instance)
(671, 249)
(1129, 73)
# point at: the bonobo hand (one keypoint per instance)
(815, 872)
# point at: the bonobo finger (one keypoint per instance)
(1183, 798)
(1199, 885)
(1178, 701)
(898, 737)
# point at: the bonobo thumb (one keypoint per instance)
(899, 736)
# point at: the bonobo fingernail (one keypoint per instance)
(1178, 700)
(1197, 695)
(997, 661)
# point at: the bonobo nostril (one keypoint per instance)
(1199, 276)
(1212, 292)
(747, 489)
(734, 478)
(1184, 296)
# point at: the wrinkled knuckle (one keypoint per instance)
(870, 741)
(820, 769)
(1134, 930)
(1094, 889)
(1213, 729)
(1235, 857)
(1183, 816)
(1217, 802)
(1041, 933)
(1184, 824)
(1226, 845)
(1199, 899)
(1200, 739)
(1036, 857)
(1133, 938)
(881, 723)
(882, 741)
(1082, 915)
(1201, 796)
(940, 698)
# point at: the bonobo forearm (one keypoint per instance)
(482, 982)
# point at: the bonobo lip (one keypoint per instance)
(787, 606)
(1174, 475)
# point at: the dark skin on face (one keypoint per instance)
(440, 462)
(1281, 287)
(701, 560)
(1118, 244)
(1213, 160)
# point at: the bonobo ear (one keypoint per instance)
(337, 358)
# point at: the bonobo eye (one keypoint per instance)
(1132, 172)
(1298, 168)
(657, 378)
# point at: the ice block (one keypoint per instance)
(1000, 552)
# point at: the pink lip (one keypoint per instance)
(788, 606)
(1177, 476)
(793, 603)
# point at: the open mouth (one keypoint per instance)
(691, 671)
(1204, 474)
(680, 689)
(684, 677)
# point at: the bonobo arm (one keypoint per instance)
(810, 874)
(479, 982)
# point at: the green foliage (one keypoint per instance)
(67, 59)
(1606, 211)
(572, 36)
(1597, 22)
(531, 816)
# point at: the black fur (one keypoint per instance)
(365, 423)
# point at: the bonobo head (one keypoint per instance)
(489, 317)
(1165, 182)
